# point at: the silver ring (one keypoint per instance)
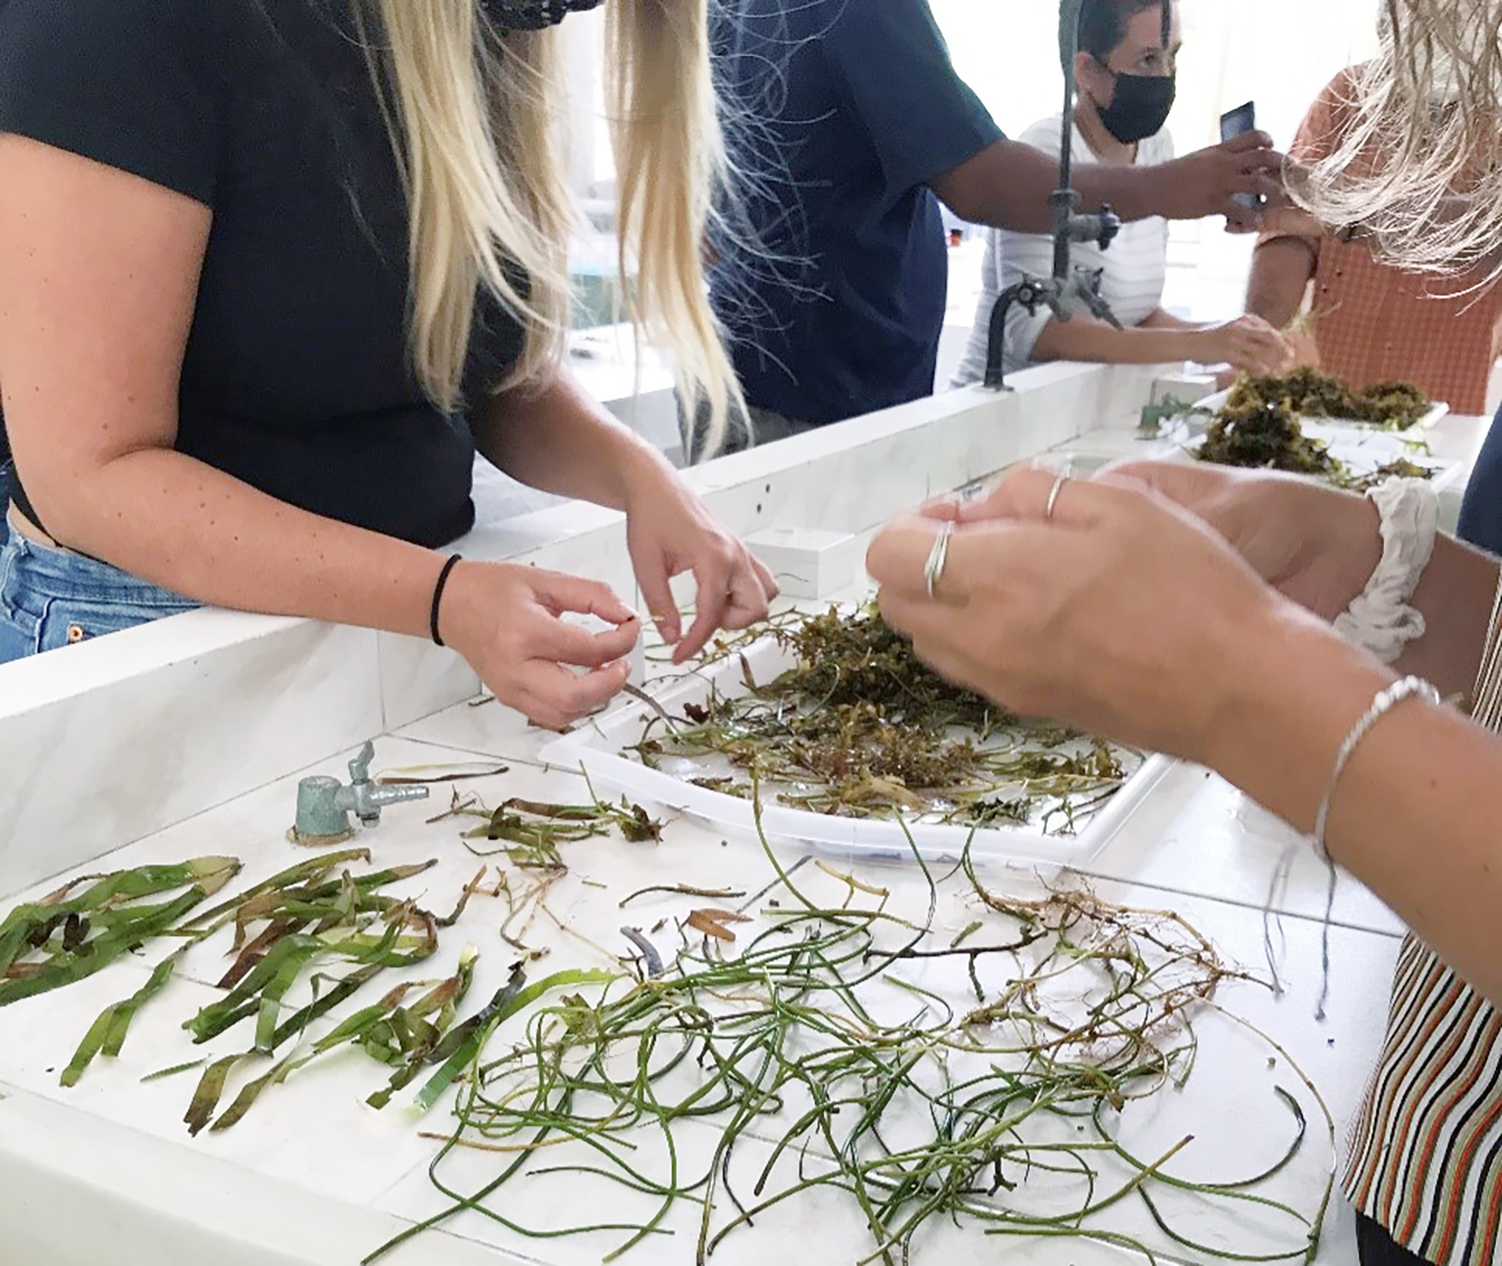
(933, 570)
(1053, 497)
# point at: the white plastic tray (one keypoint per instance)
(1365, 450)
(1436, 411)
(599, 747)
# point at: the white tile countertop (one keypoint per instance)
(189, 738)
(311, 1157)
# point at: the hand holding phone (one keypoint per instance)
(1238, 122)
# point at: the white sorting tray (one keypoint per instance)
(1436, 411)
(599, 747)
(1366, 449)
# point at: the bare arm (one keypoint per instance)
(1414, 815)
(1007, 185)
(1455, 595)
(97, 311)
(108, 281)
(1319, 547)
(1281, 271)
(1107, 608)
(1083, 338)
(1248, 344)
(561, 440)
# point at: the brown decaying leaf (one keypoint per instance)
(712, 923)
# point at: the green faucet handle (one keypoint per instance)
(324, 806)
(359, 767)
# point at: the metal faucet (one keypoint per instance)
(1069, 289)
(1081, 290)
(324, 804)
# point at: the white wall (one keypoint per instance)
(1279, 53)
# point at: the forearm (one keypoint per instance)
(193, 529)
(1134, 193)
(1006, 186)
(1455, 596)
(1085, 339)
(1414, 814)
(561, 440)
(1281, 270)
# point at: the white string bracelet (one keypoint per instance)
(1387, 699)
(1381, 620)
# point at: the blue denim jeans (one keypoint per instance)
(51, 598)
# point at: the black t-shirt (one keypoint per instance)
(297, 377)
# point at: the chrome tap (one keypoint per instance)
(324, 804)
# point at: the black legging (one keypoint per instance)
(1378, 1248)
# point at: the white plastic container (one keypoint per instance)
(808, 563)
(600, 746)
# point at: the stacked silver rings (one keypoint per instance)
(1053, 497)
(933, 570)
(938, 556)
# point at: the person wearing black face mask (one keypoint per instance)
(1126, 76)
(851, 127)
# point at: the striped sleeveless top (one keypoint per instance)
(1426, 1150)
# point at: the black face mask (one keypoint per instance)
(533, 15)
(1140, 107)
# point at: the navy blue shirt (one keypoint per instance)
(1481, 513)
(841, 113)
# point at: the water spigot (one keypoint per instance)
(1100, 228)
(324, 805)
(1032, 293)
(1083, 291)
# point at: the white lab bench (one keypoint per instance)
(188, 737)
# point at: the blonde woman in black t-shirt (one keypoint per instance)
(275, 269)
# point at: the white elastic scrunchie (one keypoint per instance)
(1380, 620)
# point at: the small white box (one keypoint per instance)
(807, 563)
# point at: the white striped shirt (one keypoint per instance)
(1135, 266)
(1426, 1151)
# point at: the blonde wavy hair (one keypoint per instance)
(477, 116)
(1420, 171)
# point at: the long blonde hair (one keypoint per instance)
(1420, 169)
(477, 117)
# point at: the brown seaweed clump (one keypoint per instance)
(1263, 436)
(1394, 406)
(860, 727)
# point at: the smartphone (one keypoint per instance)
(1238, 122)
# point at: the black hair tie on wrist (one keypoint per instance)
(443, 580)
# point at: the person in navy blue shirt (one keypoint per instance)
(1481, 512)
(849, 125)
